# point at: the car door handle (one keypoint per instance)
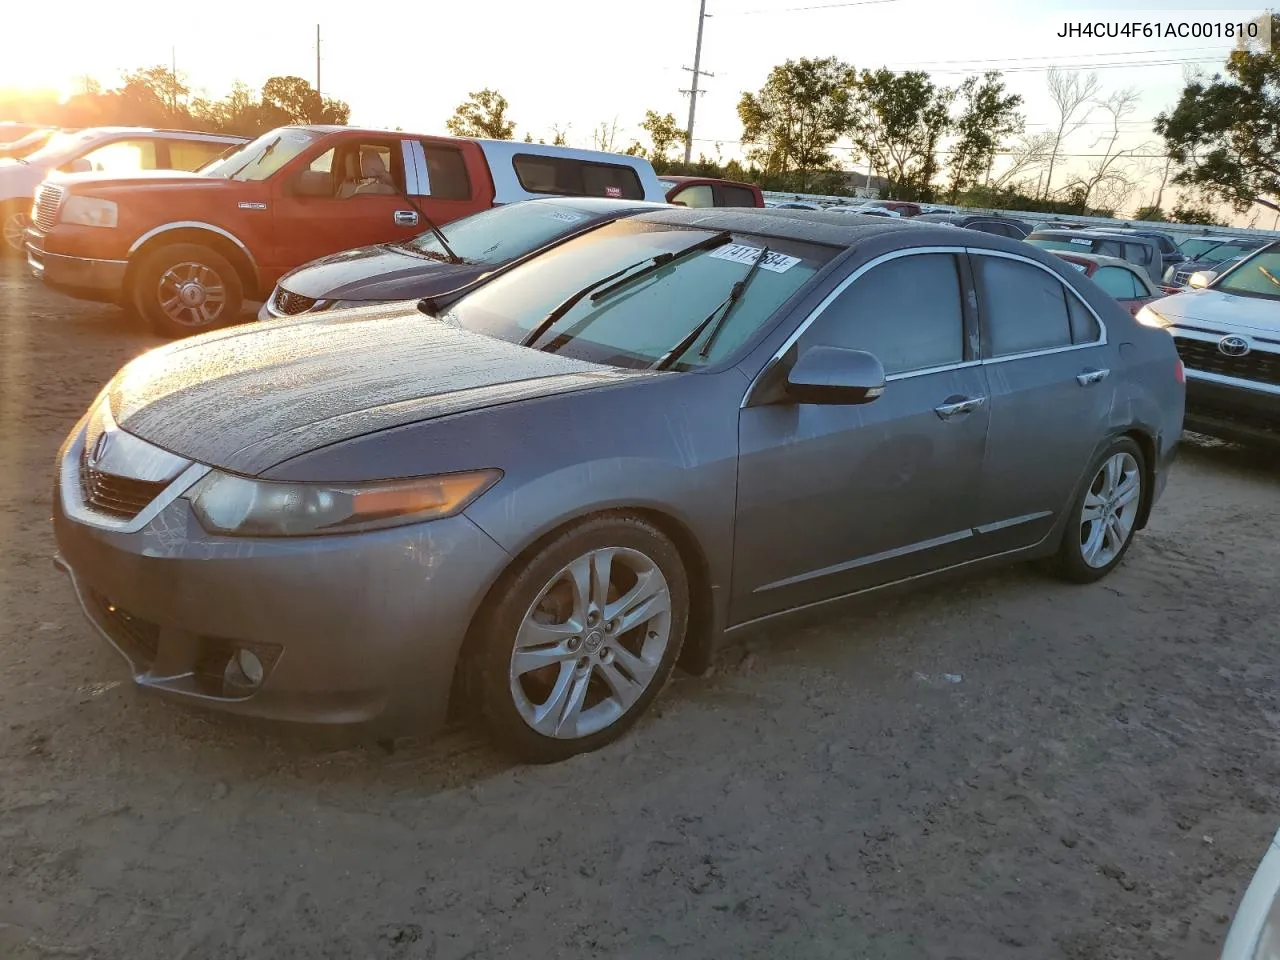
(956, 408)
(1090, 377)
(406, 218)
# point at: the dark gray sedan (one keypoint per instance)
(604, 460)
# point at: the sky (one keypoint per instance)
(578, 63)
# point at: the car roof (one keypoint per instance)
(830, 229)
(597, 205)
(1086, 234)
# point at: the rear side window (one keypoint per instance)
(1109, 248)
(737, 197)
(580, 178)
(1139, 253)
(1116, 281)
(1084, 325)
(447, 173)
(1024, 308)
(906, 311)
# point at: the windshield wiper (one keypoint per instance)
(266, 152)
(1269, 275)
(431, 224)
(662, 260)
(649, 263)
(718, 316)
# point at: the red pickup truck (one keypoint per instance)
(186, 249)
(711, 192)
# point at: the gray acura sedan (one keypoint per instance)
(536, 497)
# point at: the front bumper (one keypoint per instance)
(1232, 411)
(82, 277)
(349, 629)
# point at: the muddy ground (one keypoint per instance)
(1010, 767)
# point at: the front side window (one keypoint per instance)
(638, 322)
(582, 178)
(1024, 308)
(261, 158)
(698, 195)
(122, 156)
(353, 170)
(1259, 276)
(1117, 282)
(503, 233)
(906, 311)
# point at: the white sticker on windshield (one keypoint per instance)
(566, 217)
(740, 253)
(1079, 266)
(1083, 243)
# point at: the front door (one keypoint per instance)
(350, 195)
(836, 499)
(1052, 387)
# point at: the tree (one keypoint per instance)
(155, 95)
(1225, 132)
(294, 100)
(797, 116)
(1069, 92)
(1031, 152)
(902, 117)
(1191, 213)
(484, 114)
(603, 136)
(1109, 175)
(988, 115)
(1150, 214)
(663, 133)
(560, 135)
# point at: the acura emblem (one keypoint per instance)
(99, 449)
(1233, 346)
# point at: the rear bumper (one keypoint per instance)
(82, 277)
(1233, 413)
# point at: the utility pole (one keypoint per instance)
(317, 58)
(693, 91)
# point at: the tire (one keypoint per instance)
(1089, 550)
(175, 286)
(527, 700)
(14, 218)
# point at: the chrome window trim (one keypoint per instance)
(1102, 327)
(193, 225)
(417, 178)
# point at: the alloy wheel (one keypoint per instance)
(1110, 510)
(591, 644)
(15, 230)
(192, 294)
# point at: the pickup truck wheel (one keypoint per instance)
(186, 289)
(13, 224)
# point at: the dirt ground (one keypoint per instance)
(1010, 767)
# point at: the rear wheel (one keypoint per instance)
(14, 220)
(581, 639)
(186, 288)
(1104, 517)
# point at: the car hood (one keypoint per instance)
(250, 398)
(1217, 312)
(383, 272)
(76, 182)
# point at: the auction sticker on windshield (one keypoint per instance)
(741, 253)
(566, 217)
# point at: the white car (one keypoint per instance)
(110, 149)
(1255, 932)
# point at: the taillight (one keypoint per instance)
(1180, 373)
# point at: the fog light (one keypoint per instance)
(244, 670)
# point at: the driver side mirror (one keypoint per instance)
(835, 376)
(1201, 279)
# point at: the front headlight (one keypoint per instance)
(237, 506)
(1149, 318)
(88, 211)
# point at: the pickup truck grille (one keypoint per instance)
(1204, 355)
(291, 303)
(116, 496)
(1180, 278)
(48, 199)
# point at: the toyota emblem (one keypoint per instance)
(99, 449)
(1233, 346)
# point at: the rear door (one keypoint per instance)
(440, 181)
(1048, 365)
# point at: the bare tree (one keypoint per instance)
(1111, 173)
(1031, 152)
(602, 137)
(560, 135)
(1069, 91)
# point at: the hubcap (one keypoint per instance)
(591, 643)
(15, 229)
(1110, 510)
(192, 294)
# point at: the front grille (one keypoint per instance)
(1180, 278)
(1257, 366)
(117, 496)
(48, 199)
(291, 303)
(141, 636)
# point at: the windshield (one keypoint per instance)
(1259, 276)
(1227, 251)
(637, 323)
(1193, 248)
(503, 233)
(61, 146)
(1047, 243)
(261, 158)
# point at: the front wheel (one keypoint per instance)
(186, 288)
(1104, 517)
(14, 221)
(581, 638)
